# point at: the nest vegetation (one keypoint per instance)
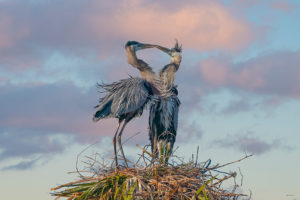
(151, 178)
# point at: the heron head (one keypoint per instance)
(175, 55)
(135, 46)
(174, 52)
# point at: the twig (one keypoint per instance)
(247, 156)
(197, 156)
(131, 137)
(241, 176)
(250, 196)
(80, 175)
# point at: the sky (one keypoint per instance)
(238, 84)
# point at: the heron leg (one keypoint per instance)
(154, 143)
(120, 144)
(114, 143)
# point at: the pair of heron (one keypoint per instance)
(127, 98)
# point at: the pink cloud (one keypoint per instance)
(284, 6)
(275, 73)
(5, 38)
(205, 25)
(3, 79)
(201, 26)
(222, 72)
(245, 3)
(214, 72)
(31, 32)
(10, 35)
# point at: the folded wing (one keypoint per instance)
(123, 97)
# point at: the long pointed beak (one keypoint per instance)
(164, 49)
(145, 46)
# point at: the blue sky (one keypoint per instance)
(238, 83)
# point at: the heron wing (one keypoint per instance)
(123, 96)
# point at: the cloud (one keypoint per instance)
(188, 132)
(202, 26)
(8, 36)
(262, 82)
(26, 148)
(249, 144)
(18, 143)
(23, 165)
(60, 107)
(286, 6)
(267, 74)
(238, 105)
(44, 119)
(30, 31)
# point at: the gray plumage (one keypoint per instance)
(123, 97)
(127, 98)
(163, 121)
(163, 118)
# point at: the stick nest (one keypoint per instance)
(152, 180)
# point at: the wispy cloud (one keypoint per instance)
(250, 144)
(189, 132)
(23, 165)
(18, 143)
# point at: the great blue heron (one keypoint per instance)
(126, 99)
(163, 118)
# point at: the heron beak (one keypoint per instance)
(164, 49)
(145, 46)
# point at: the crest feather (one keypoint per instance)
(177, 47)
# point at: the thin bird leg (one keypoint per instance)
(120, 144)
(114, 143)
(154, 143)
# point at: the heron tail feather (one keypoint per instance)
(104, 110)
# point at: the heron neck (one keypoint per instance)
(176, 63)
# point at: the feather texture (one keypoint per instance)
(163, 119)
(122, 97)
